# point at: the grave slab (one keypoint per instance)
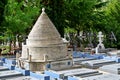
(23, 71)
(97, 63)
(1, 63)
(114, 53)
(11, 67)
(9, 73)
(114, 68)
(82, 71)
(72, 78)
(40, 76)
(10, 61)
(79, 60)
(102, 77)
(2, 59)
(2, 68)
(65, 74)
(53, 74)
(116, 58)
(20, 78)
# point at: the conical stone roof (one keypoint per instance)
(44, 40)
(44, 30)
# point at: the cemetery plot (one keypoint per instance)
(21, 78)
(114, 52)
(10, 73)
(2, 68)
(79, 60)
(88, 55)
(103, 77)
(69, 73)
(114, 68)
(116, 58)
(83, 72)
(97, 63)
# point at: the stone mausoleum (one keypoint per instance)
(44, 48)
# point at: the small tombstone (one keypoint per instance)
(100, 39)
(100, 36)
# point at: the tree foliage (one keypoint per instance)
(18, 16)
(2, 6)
(55, 10)
(79, 14)
(112, 11)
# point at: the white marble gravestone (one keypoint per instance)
(100, 37)
(100, 45)
(44, 47)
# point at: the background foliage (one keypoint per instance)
(18, 16)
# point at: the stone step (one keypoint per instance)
(80, 72)
(82, 59)
(113, 68)
(9, 73)
(88, 75)
(103, 77)
(116, 58)
(79, 60)
(65, 74)
(97, 63)
(20, 78)
(2, 68)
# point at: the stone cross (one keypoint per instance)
(100, 36)
(100, 45)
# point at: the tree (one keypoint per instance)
(19, 18)
(79, 17)
(2, 5)
(78, 13)
(55, 10)
(112, 11)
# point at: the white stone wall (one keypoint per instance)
(52, 53)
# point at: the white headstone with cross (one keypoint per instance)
(100, 45)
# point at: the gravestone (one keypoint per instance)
(2, 68)
(100, 37)
(44, 47)
(113, 68)
(8, 73)
(82, 72)
(100, 46)
(114, 53)
(102, 77)
(64, 74)
(115, 58)
(21, 78)
(79, 60)
(97, 63)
